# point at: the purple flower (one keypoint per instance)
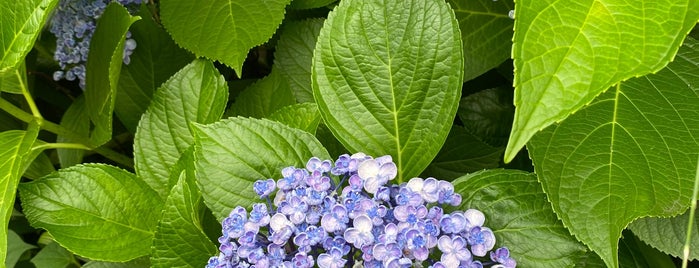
(453, 223)
(474, 217)
(336, 219)
(428, 188)
(502, 256)
(409, 214)
(259, 214)
(385, 252)
(447, 195)
(360, 234)
(315, 164)
(481, 240)
(295, 208)
(331, 259)
(301, 260)
(454, 250)
(416, 242)
(234, 224)
(375, 174)
(281, 227)
(264, 188)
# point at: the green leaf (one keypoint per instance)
(517, 211)
(16, 248)
(252, 149)
(486, 31)
(39, 167)
(631, 153)
(20, 25)
(308, 4)
(179, 239)
(304, 116)
(294, 55)
(197, 93)
(387, 78)
(152, 63)
(488, 114)
(334, 147)
(104, 66)
(142, 262)
(463, 153)
(77, 120)
(567, 53)
(635, 254)
(15, 151)
(12, 81)
(668, 234)
(262, 98)
(222, 30)
(54, 256)
(113, 220)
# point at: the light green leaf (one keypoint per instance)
(488, 114)
(668, 234)
(304, 116)
(294, 55)
(152, 63)
(179, 239)
(222, 30)
(517, 211)
(113, 220)
(77, 120)
(631, 153)
(387, 78)
(463, 153)
(567, 53)
(262, 98)
(15, 153)
(16, 249)
(20, 25)
(486, 31)
(197, 93)
(12, 81)
(103, 68)
(54, 256)
(234, 153)
(308, 4)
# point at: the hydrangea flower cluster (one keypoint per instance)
(313, 222)
(73, 25)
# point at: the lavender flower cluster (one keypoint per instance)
(73, 25)
(368, 222)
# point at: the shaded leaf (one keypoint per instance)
(488, 114)
(387, 78)
(113, 221)
(20, 25)
(308, 4)
(262, 98)
(40, 166)
(16, 248)
(629, 154)
(567, 53)
(54, 255)
(234, 153)
(77, 120)
(304, 116)
(668, 234)
(294, 54)
(463, 153)
(635, 254)
(142, 262)
(222, 30)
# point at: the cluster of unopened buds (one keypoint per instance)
(367, 223)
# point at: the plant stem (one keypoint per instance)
(692, 209)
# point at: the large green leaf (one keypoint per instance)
(567, 53)
(152, 63)
(294, 54)
(387, 78)
(520, 216)
(304, 116)
(77, 120)
(197, 93)
(263, 98)
(179, 239)
(234, 153)
(15, 152)
(222, 30)
(631, 153)
(96, 211)
(486, 31)
(20, 25)
(14, 80)
(462, 153)
(668, 234)
(103, 69)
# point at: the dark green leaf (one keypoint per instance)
(334, 147)
(304, 116)
(263, 98)
(77, 120)
(103, 69)
(294, 55)
(54, 256)
(97, 211)
(197, 93)
(152, 63)
(16, 248)
(488, 114)
(308, 4)
(486, 31)
(463, 153)
(39, 167)
(517, 211)
(567, 53)
(635, 254)
(234, 153)
(631, 153)
(20, 25)
(387, 78)
(222, 30)
(668, 234)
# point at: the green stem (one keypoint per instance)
(22, 78)
(692, 209)
(59, 145)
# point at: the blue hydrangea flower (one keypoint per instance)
(360, 234)
(481, 240)
(502, 256)
(376, 174)
(264, 188)
(334, 258)
(454, 250)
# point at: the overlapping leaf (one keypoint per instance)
(668, 234)
(629, 154)
(197, 93)
(77, 120)
(520, 216)
(222, 30)
(234, 153)
(54, 255)
(294, 55)
(263, 98)
(20, 25)
(387, 78)
(567, 53)
(304, 116)
(114, 220)
(462, 153)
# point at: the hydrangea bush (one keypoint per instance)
(362, 219)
